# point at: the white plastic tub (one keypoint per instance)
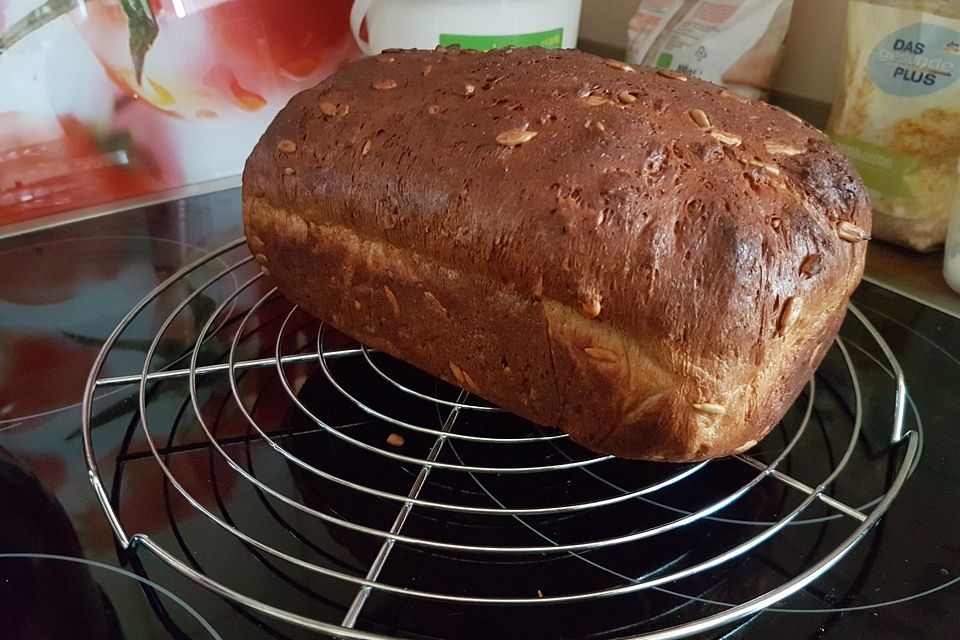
(475, 24)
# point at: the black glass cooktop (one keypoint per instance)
(64, 575)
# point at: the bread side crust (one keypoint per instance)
(535, 357)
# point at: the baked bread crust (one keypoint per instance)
(644, 260)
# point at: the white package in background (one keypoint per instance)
(736, 43)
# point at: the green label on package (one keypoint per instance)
(552, 39)
(882, 170)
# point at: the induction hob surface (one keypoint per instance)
(63, 574)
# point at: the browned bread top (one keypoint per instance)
(704, 226)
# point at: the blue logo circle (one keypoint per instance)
(917, 60)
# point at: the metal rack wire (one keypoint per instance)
(476, 455)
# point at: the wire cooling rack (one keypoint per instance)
(391, 498)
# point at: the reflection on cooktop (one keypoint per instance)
(42, 598)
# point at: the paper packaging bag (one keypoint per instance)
(899, 117)
(736, 43)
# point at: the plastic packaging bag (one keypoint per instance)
(736, 43)
(899, 117)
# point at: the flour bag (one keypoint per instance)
(898, 119)
(736, 43)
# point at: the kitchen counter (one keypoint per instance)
(918, 276)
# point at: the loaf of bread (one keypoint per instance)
(644, 260)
